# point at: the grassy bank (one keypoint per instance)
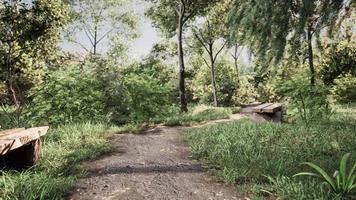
(245, 153)
(64, 148)
(197, 114)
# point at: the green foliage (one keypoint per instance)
(338, 60)
(70, 95)
(268, 26)
(149, 96)
(343, 182)
(64, 148)
(165, 13)
(344, 89)
(226, 81)
(304, 101)
(10, 118)
(116, 98)
(246, 92)
(151, 87)
(29, 35)
(245, 152)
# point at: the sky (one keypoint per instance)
(139, 48)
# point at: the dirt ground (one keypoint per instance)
(153, 165)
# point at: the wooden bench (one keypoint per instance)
(21, 147)
(268, 112)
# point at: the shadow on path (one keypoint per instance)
(193, 168)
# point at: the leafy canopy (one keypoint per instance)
(267, 26)
(165, 13)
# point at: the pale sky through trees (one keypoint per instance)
(139, 47)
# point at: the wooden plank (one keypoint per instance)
(259, 108)
(272, 108)
(7, 132)
(18, 139)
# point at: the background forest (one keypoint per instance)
(301, 53)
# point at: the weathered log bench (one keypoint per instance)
(271, 112)
(20, 148)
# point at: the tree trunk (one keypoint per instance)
(12, 88)
(213, 81)
(95, 40)
(236, 58)
(311, 58)
(183, 100)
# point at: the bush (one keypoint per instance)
(150, 98)
(246, 92)
(344, 89)
(339, 59)
(304, 101)
(226, 81)
(69, 95)
(116, 97)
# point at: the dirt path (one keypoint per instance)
(153, 165)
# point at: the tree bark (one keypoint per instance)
(311, 57)
(236, 57)
(182, 95)
(213, 79)
(95, 39)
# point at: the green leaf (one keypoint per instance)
(307, 174)
(327, 178)
(342, 171)
(352, 176)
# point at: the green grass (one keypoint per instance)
(8, 117)
(197, 115)
(64, 148)
(245, 152)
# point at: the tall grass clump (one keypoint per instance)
(64, 148)
(246, 152)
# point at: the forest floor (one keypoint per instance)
(155, 164)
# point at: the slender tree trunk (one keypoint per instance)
(213, 79)
(182, 95)
(12, 89)
(95, 40)
(236, 58)
(311, 57)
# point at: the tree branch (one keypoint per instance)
(99, 40)
(201, 41)
(220, 50)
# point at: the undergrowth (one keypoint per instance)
(268, 155)
(197, 115)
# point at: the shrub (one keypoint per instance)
(226, 81)
(246, 92)
(116, 99)
(150, 98)
(344, 89)
(68, 95)
(339, 59)
(305, 101)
